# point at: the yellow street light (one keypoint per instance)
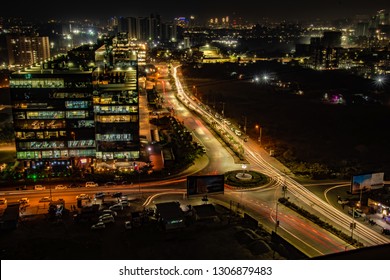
(260, 131)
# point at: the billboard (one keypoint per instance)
(367, 182)
(205, 184)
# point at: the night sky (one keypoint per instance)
(201, 9)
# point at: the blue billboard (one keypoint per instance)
(367, 182)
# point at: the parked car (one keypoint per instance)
(3, 201)
(24, 200)
(386, 231)
(74, 185)
(342, 201)
(110, 184)
(127, 224)
(116, 207)
(45, 199)
(39, 187)
(107, 219)
(91, 184)
(99, 225)
(83, 196)
(100, 195)
(105, 215)
(357, 213)
(111, 212)
(60, 187)
(124, 203)
(117, 194)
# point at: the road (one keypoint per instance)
(260, 160)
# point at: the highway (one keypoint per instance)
(259, 160)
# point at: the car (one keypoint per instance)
(110, 184)
(3, 201)
(124, 203)
(91, 184)
(74, 185)
(99, 225)
(386, 231)
(357, 213)
(107, 219)
(105, 215)
(100, 195)
(117, 194)
(116, 207)
(24, 200)
(39, 187)
(127, 224)
(111, 212)
(342, 201)
(82, 196)
(45, 199)
(60, 187)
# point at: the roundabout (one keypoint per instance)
(246, 179)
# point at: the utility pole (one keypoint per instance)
(353, 224)
(276, 221)
(245, 125)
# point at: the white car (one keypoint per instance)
(342, 201)
(124, 203)
(83, 196)
(91, 184)
(116, 207)
(3, 201)
(105, 215)
(107, 219)
(45, 199)
(60, 187)
(24, 200)
(99, 225)
(39, 187)
(111, 212)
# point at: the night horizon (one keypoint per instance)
(302, 10)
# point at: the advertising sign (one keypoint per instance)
(206, 184)
(367, 182)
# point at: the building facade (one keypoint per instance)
(72, 114)
(26, 50)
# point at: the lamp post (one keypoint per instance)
(260, 132)
(276, 218)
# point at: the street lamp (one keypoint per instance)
(260, 131)
(276, 218)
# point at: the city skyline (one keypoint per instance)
(301, 10)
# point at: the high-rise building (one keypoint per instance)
(26, 50)
(71, 112)
(53, 115)
(116, 103)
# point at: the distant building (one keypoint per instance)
(26, 50)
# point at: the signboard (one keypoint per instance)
(367, 182)
(205, 184)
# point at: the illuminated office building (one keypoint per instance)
(116, 105)
(78, 113)
(53, 116)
